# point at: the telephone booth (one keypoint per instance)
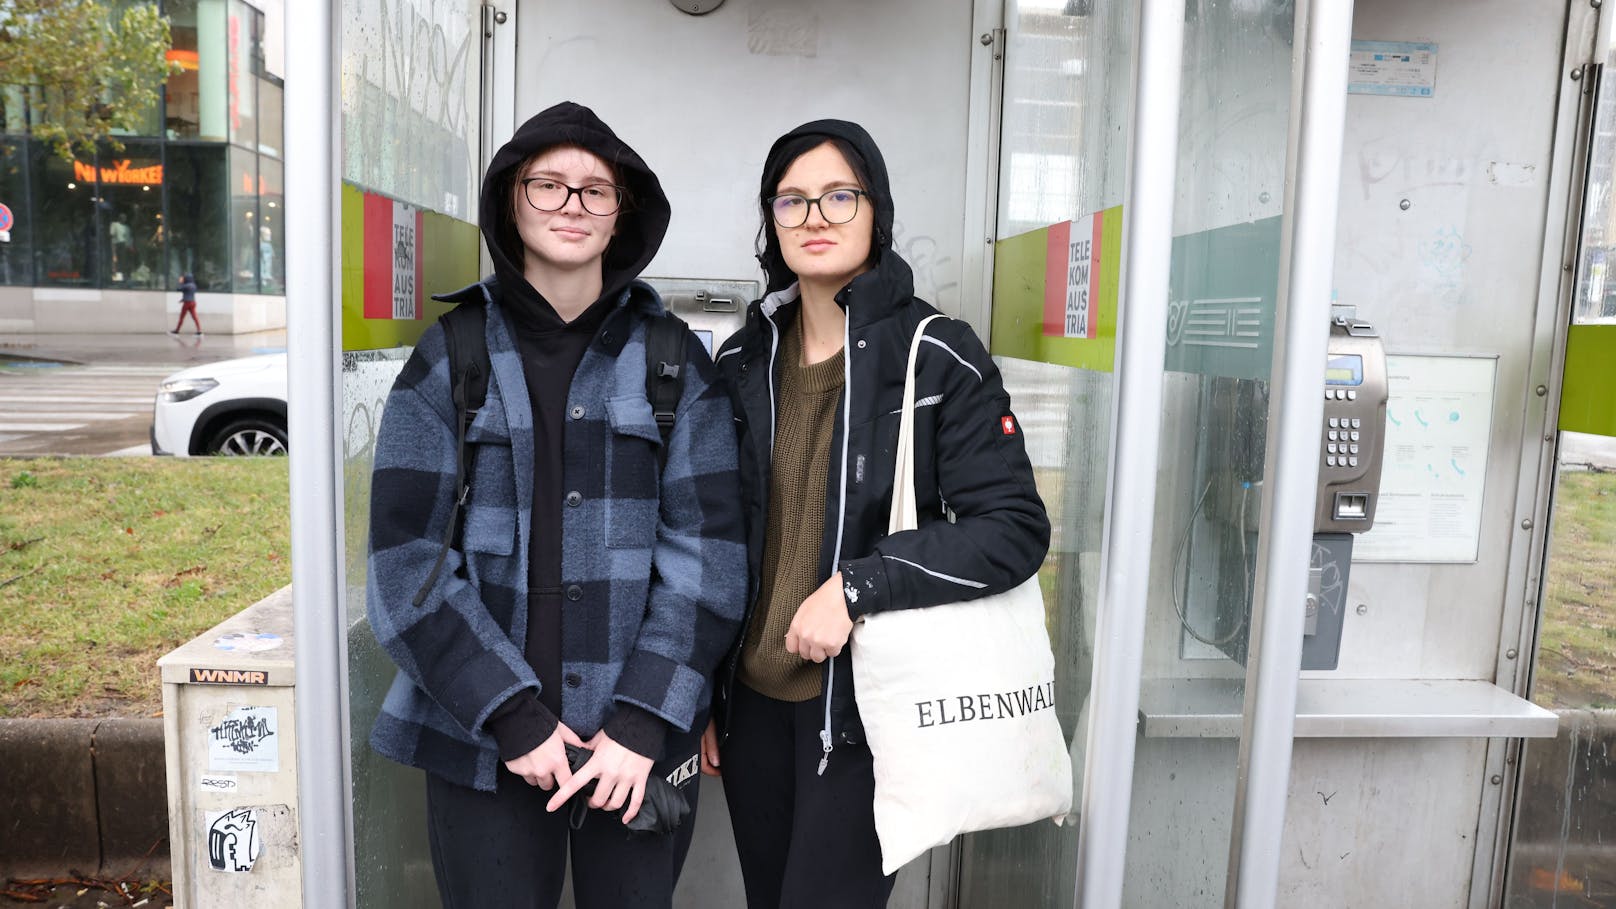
(1297, 302)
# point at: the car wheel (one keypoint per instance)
(250, 436)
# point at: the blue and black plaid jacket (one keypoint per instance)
(654, 569)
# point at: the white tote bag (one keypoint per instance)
(958, 702)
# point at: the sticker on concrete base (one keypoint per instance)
(247, 641)
(233, 839)
(219, 782)
(245, 740)
(229, 677)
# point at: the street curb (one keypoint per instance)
(11, 356)
(83, 795)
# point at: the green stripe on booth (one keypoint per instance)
(1019, 268)
(448, 250)
(1588, 396)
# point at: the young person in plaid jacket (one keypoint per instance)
(587, 598)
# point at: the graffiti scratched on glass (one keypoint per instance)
(409, 100)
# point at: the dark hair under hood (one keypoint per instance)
(788, 148)
(641, 223)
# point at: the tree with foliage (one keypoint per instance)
(84, 67)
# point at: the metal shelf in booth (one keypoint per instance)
(1349, 708)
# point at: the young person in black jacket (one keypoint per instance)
(817, 375)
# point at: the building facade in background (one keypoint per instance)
(98, 243)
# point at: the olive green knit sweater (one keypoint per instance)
(794, 531)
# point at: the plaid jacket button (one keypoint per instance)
(574, 680)
(575, 498)
(574, 592)
(578, 412)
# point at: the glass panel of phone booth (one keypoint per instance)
(1596, 286)
(1224, 287)
(410, 127)
(1063, 156)
(1564, 822)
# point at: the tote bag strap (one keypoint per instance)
(903, 473)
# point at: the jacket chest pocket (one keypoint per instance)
(631, 471)
(490, 518)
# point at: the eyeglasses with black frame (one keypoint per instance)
(837, 206)
(545, 194)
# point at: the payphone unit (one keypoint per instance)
(1216, 558)
(714, 309)
(1351, 448)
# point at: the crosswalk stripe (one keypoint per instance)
(55, 400)
(38, 427)
(93, 416)
(94, 370)
(37, 400)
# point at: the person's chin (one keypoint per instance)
(574, 254)
(824, 272)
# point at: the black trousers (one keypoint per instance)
(492, 850)
(804, 840)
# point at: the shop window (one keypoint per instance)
(13, 109)
(198, 94)
(16, 228)
(243, 30)
(65, 219)
(269, 116)
(271, 227)
(149, 119)
(244, 235)
(131, 214)
(196, 220)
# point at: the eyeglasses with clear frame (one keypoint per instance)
(549, 195)
(837, 206)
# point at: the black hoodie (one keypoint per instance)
(879, 189)
(551, 350)
(641, 223)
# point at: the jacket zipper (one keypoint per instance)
(825, 743)
(768, 467)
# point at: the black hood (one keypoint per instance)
(641, 223)
(780, 156)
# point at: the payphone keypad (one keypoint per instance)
(1350, 448)
(1343, 429)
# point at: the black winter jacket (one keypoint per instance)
(969, 456)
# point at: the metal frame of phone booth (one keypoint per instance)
(1264, 708)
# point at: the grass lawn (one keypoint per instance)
(106, 564)
(1577, 646)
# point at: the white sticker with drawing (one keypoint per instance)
(233, 839)
(245, 739)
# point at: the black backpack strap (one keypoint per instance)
(464, 334)
(664, 374)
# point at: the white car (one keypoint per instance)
(232, 407)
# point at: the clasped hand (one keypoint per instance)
(619, 776)
(619, 772)
(821, 626)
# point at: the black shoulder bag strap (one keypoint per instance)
(664, 374)
(464, 334)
